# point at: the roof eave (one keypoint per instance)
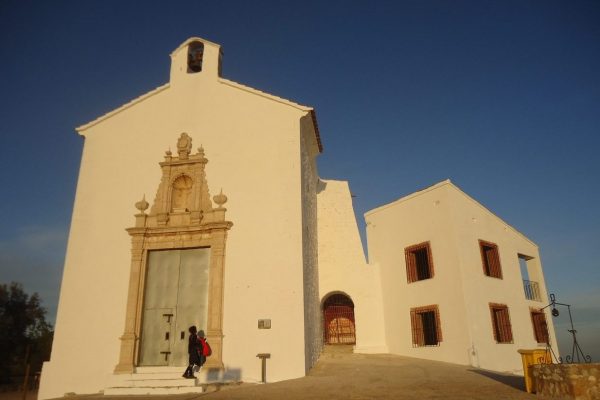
(80, 129)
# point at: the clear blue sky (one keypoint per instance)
(502, 97)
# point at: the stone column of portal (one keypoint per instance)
(129, 340)
(214, 330)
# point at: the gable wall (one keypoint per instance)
(253, 147)
(392, 228)
(453, 223)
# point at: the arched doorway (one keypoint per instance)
(338, 317)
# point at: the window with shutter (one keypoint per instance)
(501, 323)
(419, 262)
(540, 327)
(490, 259)
(426, 327)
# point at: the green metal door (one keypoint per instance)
(176, 297)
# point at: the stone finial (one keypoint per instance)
(201, 156)
(184, 146)
(220, 199)
(142, 205)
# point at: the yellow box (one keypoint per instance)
(529, 358)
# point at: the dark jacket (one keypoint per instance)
(195, 349)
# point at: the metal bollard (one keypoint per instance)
(263, 357)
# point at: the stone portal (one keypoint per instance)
(177, 267)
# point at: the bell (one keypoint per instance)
(195, 59)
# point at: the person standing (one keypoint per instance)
(206, 350)
(195, 352)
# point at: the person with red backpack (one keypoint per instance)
(195, 351)
(206, 350)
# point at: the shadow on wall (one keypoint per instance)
(321, 186)
(227, 375)
(517, 382)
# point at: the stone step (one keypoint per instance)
(166, 381)
(152, 390)
(159, 370)
(338, 348)
(181, 382)
(153, 380)
(155, 376)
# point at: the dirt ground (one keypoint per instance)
(31, 395)
(361, 377)
(355, 376)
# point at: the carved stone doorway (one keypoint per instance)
(177, 267)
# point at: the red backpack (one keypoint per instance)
(206, 350)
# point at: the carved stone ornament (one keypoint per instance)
(184, 146)
(142, 205)
(220, 199)
(181, 217)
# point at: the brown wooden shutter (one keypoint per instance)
(540, 326)
(411, 265)
(490, 259)
(494, 322)
(418, 255)
(505, 326)
(495, 262)
(501, 323)
(430, 260)
(438, 324)
(417, 328)
(489, 253)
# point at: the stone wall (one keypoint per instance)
(574, 381)
(313, 334)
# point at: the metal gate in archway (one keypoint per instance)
(338, 317)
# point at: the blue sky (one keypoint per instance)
(502, 97)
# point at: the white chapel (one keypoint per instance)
(199, 203)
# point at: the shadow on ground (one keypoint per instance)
(517, 382)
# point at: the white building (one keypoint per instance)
(280, 270)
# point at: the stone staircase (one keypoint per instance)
(158, 380)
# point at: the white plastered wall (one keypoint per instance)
(473, 222)
(252, 141)
(406, 222)
(453, 223)
(343, 268)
